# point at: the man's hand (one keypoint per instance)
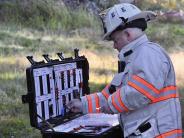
(106, 109)
(75, 106)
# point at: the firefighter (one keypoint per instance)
(143, 92)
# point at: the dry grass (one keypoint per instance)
(102, 67)
(178, 62)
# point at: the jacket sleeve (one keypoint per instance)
(94, 102)
(145, 78)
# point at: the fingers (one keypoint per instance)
(74, 106)
(75, 110)
(106, 109)
(70, 105)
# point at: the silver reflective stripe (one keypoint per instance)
(93, 102)
(117, 102)
(105, 92)
(111, 105)
(152, 94)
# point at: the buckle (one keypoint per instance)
(141, 129)
(144, 127)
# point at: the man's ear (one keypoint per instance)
(128, 34)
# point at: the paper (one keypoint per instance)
(91, 123)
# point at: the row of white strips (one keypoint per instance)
(63, 68)
(43, 72)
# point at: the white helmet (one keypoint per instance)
(122, 14)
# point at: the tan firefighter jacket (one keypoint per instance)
(145, 95)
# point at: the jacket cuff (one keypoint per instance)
(84, 105)
(110, 105)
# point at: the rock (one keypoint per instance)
(172, 16)
(126, 1)
(92, 7)
(86, 4)
(73, 4)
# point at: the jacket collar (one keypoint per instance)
(132, 46)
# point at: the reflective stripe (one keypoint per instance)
(115, 105)
(97, 103)
(151, 92)
(90, 108)
(105, 92)
(168, 88)
(145, 88)
(120, 101)
(139, 79)
(165, 97)
(171, 134)
(141, 90)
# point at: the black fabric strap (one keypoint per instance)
(121, 66)
(128, 53)
(144, 127)
(138, 23)
(112, 89)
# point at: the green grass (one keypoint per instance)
(169, 36)
(44, 15)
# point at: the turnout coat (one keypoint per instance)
(144, 94)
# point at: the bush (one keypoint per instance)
(45, 14)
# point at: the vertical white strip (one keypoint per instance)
(77, 77)
(80, 81)
(71, 83)
(65, 86)
(60, 101)
(71, 78)
(37, 91)
(72, 94)
(57, 89)
(39, 111)
(45, 92)
(67, 97)
(65, 80)
(52, 89)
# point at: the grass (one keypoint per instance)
(170, 36)
(45, 15)
(17, 42)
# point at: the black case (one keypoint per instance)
(50, 86)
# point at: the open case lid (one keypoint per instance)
(52, 85)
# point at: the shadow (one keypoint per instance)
(94, 87)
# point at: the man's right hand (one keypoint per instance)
(75, 105)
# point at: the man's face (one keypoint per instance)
(120, 39)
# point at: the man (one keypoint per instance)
(144, 92)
